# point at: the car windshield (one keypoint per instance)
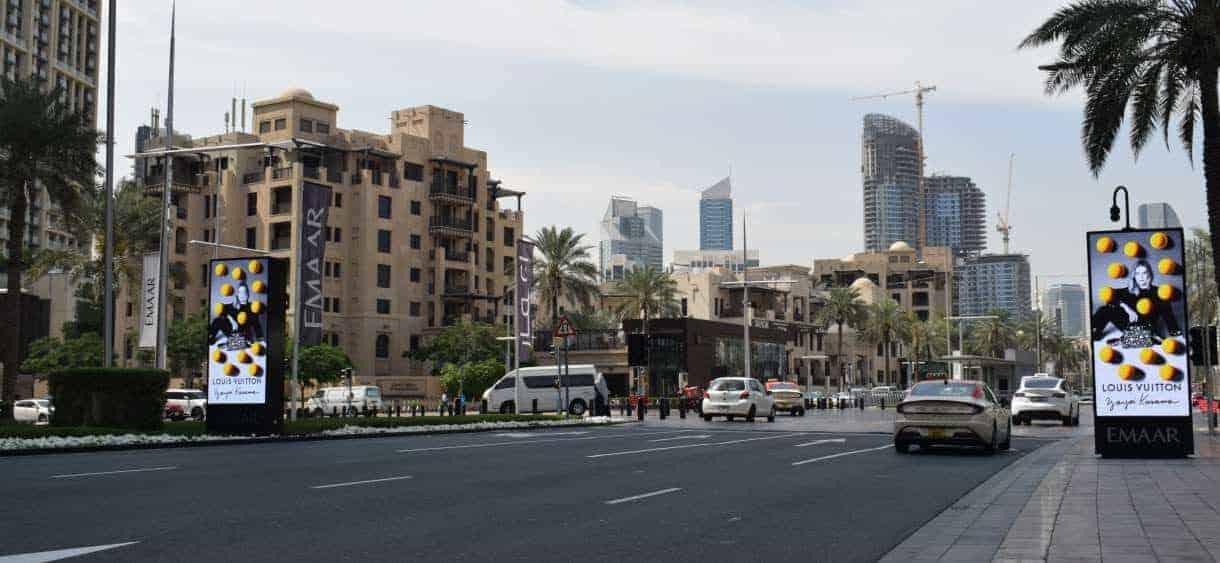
(784, 387)
(195, 396)
(1040, 383)
(938, 389)
(43, 403)
(729, 385)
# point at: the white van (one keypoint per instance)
(582, 387)
(327, 399)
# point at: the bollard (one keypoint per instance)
(662, 409)
(682, 409)
(861, 403)
(639, 410)
(534, 406)
(882, 403)
(334, 412)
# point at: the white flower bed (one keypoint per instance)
(59, 442)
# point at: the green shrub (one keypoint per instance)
(110, 398)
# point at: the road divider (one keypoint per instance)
(644, 495)
(365, 482)
(842, 454)
(115, 472)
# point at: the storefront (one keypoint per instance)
(704, 350)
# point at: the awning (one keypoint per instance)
(447, 160)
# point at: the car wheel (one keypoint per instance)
(707, 418)
(42, 418)
(902, 447)
(991, 446)
(801, 412)
(750, 415)
(197, 413)
(771, 417)
(728, 417)
(318, 413)
(1016, 420)
(1007, 443)
(1067, 420)
(577, 408)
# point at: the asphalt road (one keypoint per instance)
(697, 491)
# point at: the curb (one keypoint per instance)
(280, 440)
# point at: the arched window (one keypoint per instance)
(383, 345)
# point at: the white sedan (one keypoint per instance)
(737, 396)
(33, 410)
(952, 412)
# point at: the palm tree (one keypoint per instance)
(993, 336)
(1200, 278)
(885, 324)
(563, 270)
(647, 293)
(1161, 57)
(44, 146)
(921, 334)
(842, 307)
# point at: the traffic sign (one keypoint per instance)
(565, 327)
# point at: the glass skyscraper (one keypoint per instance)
(890, 168)
(1156, 216)
(993, 282)
(631, 238)
(716, 217)
(1065, 306)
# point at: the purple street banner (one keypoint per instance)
(525, 282)
(315, 203)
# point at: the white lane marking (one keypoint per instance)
(816, 442)
(832, 456)
(365, 482)
(649, 450)
(516, 442)
(694, 437)
(116, 472)
(532, 434)
(58, 554)
(643, 496)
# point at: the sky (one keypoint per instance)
(578, 100)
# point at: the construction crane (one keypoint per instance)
(919, 92)
(1002, 224)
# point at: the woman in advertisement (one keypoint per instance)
(237, 325)
(1137, 312)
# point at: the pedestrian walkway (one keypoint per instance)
(1063, 503)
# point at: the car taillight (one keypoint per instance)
(1018, 394)
(744, 395)
(978, 392)
(706, 395)
(1060, 395)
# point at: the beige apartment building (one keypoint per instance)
(416, 237)
(920, 285)
(54, 42)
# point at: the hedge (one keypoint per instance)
(109, 398)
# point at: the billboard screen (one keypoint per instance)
(238, 331)
(1137, 303)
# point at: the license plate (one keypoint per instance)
(1037, 399)
(938, 433)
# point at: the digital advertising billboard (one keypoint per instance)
(1141, 373)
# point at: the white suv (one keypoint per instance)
(1043, 397)
(737, 396)
(181, 403)
(37, 411)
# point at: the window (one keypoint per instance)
(383, 306)
(281, 200)
(326, 270)
(264, 127)
(383, 241)
(130, 308)
(491, 230)
(415, 308)
(414, 342)
(322, 128)
(307, 126)
(207, 236)
(180, 241)
(383, 275)
(251, 204)
(203, 275)
(281, 236)
(506, 383)
(508, 264)
(334, 304)
(412, 171)
(490, 262)
(337, 268)
(415, 242)
(338, 235)
(252, 237)
(383, 346)
(509, 235)
(415, 275)
(384, 205)
(281, 124)
(415, 210)
(338, 200)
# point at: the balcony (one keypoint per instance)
(312, 172)
(334, 176)
(394, 182)
(732, 312)
(357, 179)
(376, 177)
(153, 184)
(456, 290)
(281, 173)
(253, 177)
(457, 256)
(798, 316)
(585, 340)
(452, 194)
(450, 226)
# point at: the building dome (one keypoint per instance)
(863, 284)
(900, 246)
(297, 93)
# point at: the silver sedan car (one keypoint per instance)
(952, 412)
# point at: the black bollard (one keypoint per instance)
(534, 406)
(882, 403)
(682, 409)
(861, 403)
(334, 412)
(639, 411)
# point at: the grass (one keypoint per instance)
(293, 428)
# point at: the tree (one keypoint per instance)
(563, 271)
(595, 319)
(322, 364)
(461, 343)
(186, 346)
(52, 354)
(843, 307)
(1200, 278)
(473, 380)
(1159, 56)
(920, 333)
(885, 324)
(991, 337)
(647, 293)
(44, 146)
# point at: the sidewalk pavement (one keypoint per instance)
(1063, 503)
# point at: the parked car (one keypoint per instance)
(327, 399)
(1044, 397)
(181, 403)
(844, 396)
(787, 397)
(1086, 395)
(812, 397)
(952, 412)
(582, 386)
(883, 391)
(737, 396)
(38, 411)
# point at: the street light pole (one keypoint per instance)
(108, 259)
